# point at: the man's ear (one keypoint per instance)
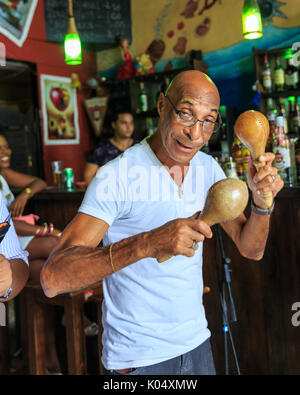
(161, 103)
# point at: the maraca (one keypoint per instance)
(252, 129)
(225, 201)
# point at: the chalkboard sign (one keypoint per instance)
(97, 21)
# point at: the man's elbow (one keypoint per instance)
(253, 254)
(48, 282)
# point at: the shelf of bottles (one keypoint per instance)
(277, 71)
(140, 95)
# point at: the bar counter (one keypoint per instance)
(264, 292)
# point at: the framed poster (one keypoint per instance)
(15, 19)
(59, 107)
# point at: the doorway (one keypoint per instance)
(19, 116)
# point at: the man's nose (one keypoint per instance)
(196, 131)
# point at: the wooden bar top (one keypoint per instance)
(60, 194)
(53, 192)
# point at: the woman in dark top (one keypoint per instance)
(123, 126)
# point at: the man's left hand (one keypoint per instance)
(265, 180)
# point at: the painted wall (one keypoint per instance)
(215, 28)
(49, 58)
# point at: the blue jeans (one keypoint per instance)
(196, 362)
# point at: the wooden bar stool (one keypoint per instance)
(34, 336)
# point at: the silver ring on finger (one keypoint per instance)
(273, 177)
(194, 245)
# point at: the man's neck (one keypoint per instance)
(170, 164)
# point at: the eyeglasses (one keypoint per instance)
(189, 120)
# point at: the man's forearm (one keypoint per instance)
(254, 236)
(77, 267)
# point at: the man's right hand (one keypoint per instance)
(176, 237)
(5, 275)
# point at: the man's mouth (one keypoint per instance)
(4, 158)
(184, 147)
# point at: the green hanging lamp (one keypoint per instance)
(72, 43)
(251, 16)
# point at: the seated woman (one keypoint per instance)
(123, 127)
(37, 240)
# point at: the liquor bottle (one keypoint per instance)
(291, 75)
(230, 169)
(278, 76)
(236, 154)
(282, 112)
(281, 150)
(271, 118)
(266, 75)
(297, 157)
(245, 160)
(294, 117)
(224, 143)
(271, 106)
(163, 88)
(143, 98)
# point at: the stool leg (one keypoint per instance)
(35, 334)
(76, 347)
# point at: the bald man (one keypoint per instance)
(143, 206)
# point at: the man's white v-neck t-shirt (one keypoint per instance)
(152, 311)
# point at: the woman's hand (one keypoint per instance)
(17, 206)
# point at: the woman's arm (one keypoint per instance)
(31, 185)
(25, 229)
(89, 172)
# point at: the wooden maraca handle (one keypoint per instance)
(267, 197)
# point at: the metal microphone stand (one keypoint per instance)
(225, 286)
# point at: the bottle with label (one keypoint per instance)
(271, 118)
(230, 169)
(143, 98)
(281, 150)
(294, 117)
(271, 106)
(266, 75)
(278, 76)
(245, 160)
(291, 75)
(282, 112)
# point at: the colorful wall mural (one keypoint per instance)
(169, 29)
